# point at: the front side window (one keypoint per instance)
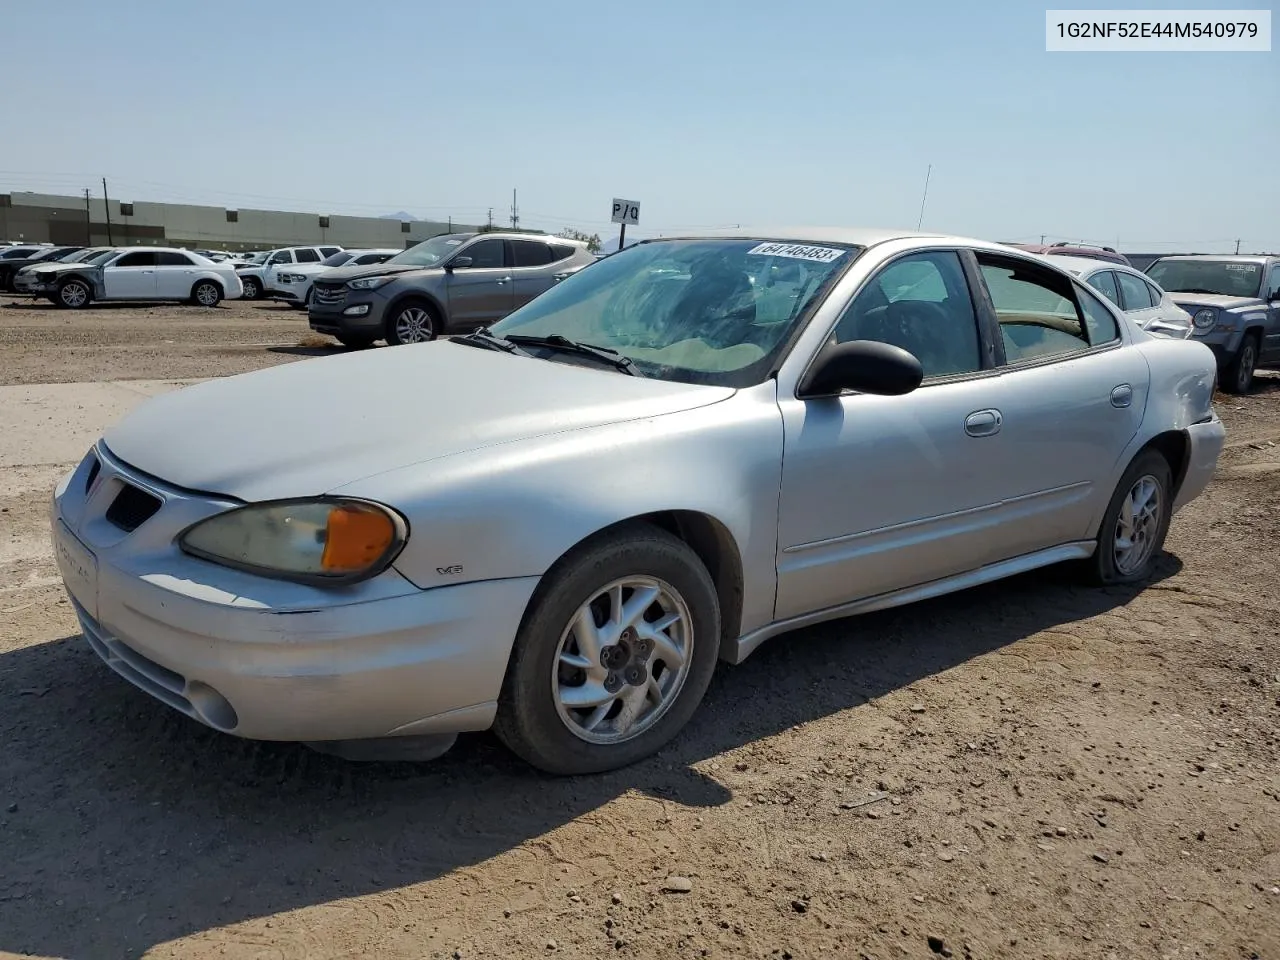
(1226, 277)
(1038, 317)
(694, 311)
(138, 259)
(921, 303)
(1134, 293)
(486, 253)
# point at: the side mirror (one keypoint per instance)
(459, 262)
(867, 366)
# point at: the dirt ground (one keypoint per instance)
(1031, 769)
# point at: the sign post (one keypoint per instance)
(624, 212)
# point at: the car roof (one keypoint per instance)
(1078, 265)
(1223, 257)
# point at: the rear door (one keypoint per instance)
(131, 277)
(480, 292)
(1071, 395)
(531, 272)
(175, 275)
(1271, 291)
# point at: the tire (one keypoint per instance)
(414, 321)
(1106, 566)
(252, 288)
(73, 294)
(1238, 375)
(533, 720)
(354, 343)
(6, 280)
(206, 293)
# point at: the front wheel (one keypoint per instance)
(73, 294)
(413, 322)
(614, 657)
(1136, 522)
(252, 289)
(1238, 377)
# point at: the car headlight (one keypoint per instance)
(1204, 319)
(318, 541)
(368, 283)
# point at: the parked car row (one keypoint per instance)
(129, 273)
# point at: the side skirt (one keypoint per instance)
(738, 650)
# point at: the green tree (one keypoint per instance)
(592, 240)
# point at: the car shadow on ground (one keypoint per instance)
(119, 797)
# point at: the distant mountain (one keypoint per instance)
(401, 216)
(611, 245)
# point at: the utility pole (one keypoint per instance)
(1237, 247)
(927, 174)
(515, 212)
(106, 206)
(450, 224)
(88, 220)
(491, 218)
(1042, 239)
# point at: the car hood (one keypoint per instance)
(343, 274)
(57, 267)
(308, 427)
(1217, 300)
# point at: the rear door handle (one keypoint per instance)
(983, 423)
(1122, 396)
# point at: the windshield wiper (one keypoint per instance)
(557, 341)
(481, 337)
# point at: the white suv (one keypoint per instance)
(292, 282)
(253, 276)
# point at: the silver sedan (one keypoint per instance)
(687, 448)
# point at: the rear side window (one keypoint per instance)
(367, 258)
(1098, 320)
(1134, 293)
(530, 253)
(307, 255)
(1156, 295)
(562, 251)
(138, 259)
(167, 259)
(1038, 318)
(1105, 284)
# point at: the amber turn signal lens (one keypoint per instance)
(355, 537)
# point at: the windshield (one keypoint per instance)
(713, 311)
(101, 256)
(337, 260)
(1225, 277)
(430, 252)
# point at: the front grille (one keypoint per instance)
(326, 293)
(132, 507)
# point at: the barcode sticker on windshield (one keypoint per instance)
(1241, 267)
(798, 251)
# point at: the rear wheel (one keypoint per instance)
(614, 657)
(73, 294)
(412, 322)
(1238, 377)
(1136, 522)
(206, 293)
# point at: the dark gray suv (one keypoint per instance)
(458, 281)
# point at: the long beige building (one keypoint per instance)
(48, 218)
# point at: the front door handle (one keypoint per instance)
(502, 280)
(983, 423)
(1122, 396)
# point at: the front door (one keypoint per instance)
(481, 292)
(1271, 336)
(881, 493)
(131, 277)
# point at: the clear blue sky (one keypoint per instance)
(708, 113)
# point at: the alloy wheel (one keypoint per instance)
(623, 660)
(414, 325)
(1138, 524)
